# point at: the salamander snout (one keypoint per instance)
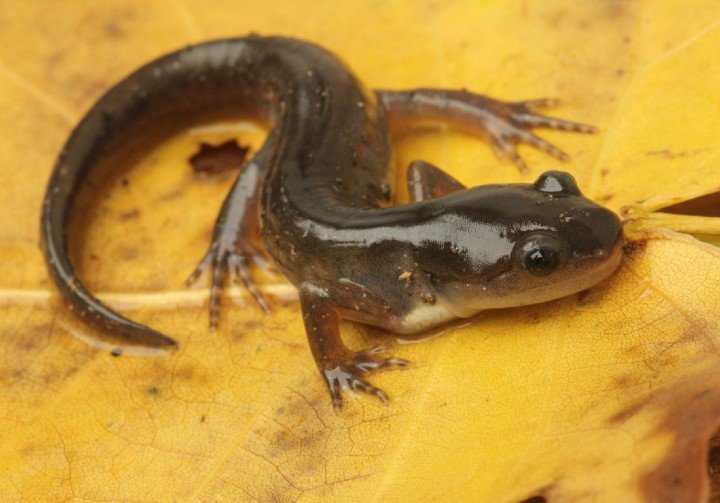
(590, 229)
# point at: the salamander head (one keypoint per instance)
(511, 245)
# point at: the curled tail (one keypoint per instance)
(161, 97)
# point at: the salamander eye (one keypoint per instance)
(540, 254)
(554, 182)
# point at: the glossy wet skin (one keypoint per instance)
(547, 244)
(316, 198)
(487, 247)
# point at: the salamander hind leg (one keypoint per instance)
(323, 304)
(235, 242)
(504, 124)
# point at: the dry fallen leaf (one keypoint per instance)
(608, 396)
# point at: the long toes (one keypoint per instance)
(193, 277)
(202, 266)
(336, 398)
(506, 150)
(376, 350)
(517, 160)
(537, 103)
(390, 363)
(218, 280)
(369, 365)
(394, 362)
(363, 385)
(531, 120)
(239, 267)
(543, 145)
(333, 381)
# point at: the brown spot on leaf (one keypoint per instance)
(170, 196)
(128, 253)
(634, 247)
(130, 215)
(670, 155)
(627, 412)
(184, 372)
(624, 381)
(250, 325)
(691, 416)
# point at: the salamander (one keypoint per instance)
(317, 197)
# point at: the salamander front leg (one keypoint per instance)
(323, 304)
(504, 124)
(427, 181)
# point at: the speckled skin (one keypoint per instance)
(319, 190)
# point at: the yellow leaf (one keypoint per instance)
(611, 395)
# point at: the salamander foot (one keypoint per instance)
(349, 375)
(225, 263)
(508, 123)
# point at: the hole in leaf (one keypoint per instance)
(213, 160)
